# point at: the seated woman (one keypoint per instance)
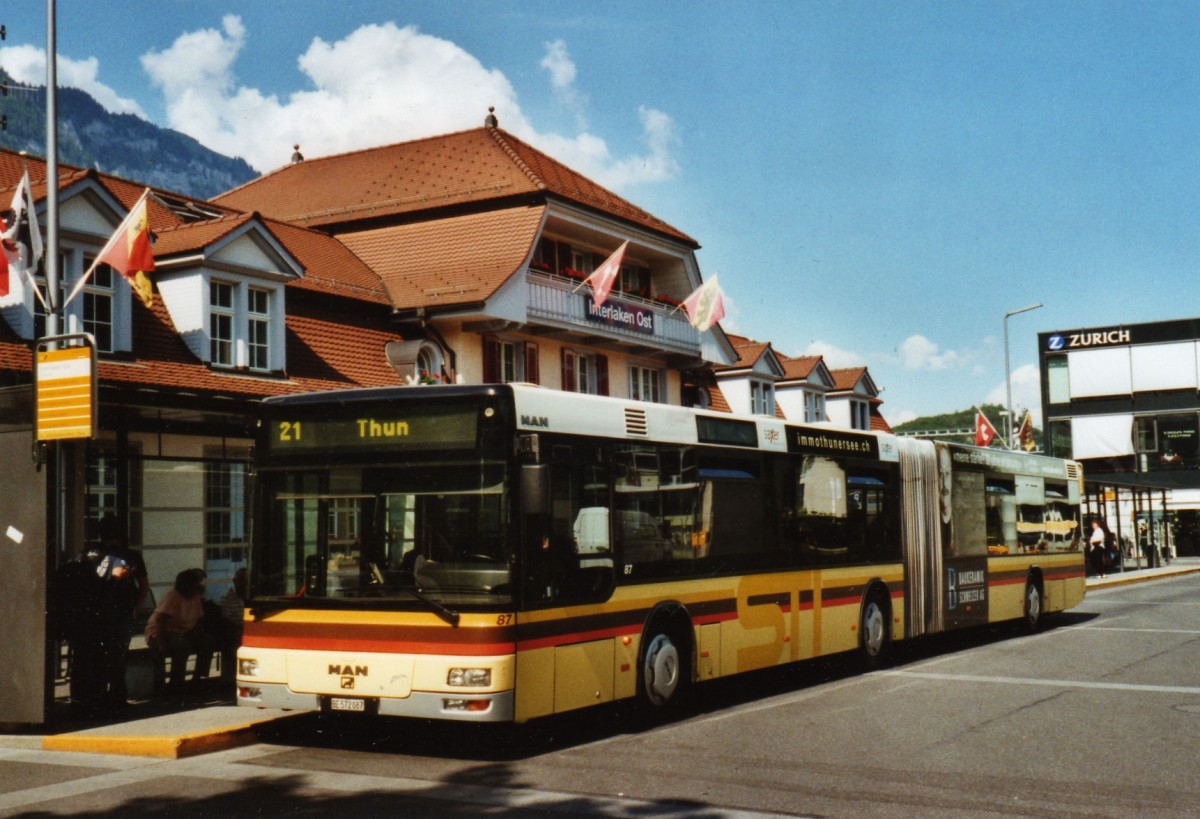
(176, 628)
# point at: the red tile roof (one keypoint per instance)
(799, 368)
(457, 260)
(716, 399)
(467, 168)
(878, 422)
(321, 353)
(846, 379)
(747, 350)
(318, 254)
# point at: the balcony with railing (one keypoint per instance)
(623, 317)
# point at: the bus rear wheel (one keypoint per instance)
(873, 632)
(1033, 606)
(661, 670)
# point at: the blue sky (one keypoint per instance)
(878, 182)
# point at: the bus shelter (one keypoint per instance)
(1136, 509)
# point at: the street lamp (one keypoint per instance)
(1007, 373)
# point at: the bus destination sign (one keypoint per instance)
(375, 430)
(830, 442)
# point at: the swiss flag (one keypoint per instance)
(602, 277)
(985, 433)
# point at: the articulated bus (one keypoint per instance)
(506, 552)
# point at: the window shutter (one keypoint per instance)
(491, 360)
(601, 375)
(531, 364)
(568, 371)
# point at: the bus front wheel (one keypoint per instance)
(661, 670)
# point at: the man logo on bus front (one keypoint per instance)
(347, 682)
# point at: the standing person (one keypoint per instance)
(176, 628)
(1098, 543)
(126, 587)
(232, 604)
(76, 600)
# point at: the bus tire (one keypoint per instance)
(1034, 605)
(874, 637)
(661, 671)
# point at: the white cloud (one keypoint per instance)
(1026, 392)
(560, 65)
(835, 357)
(26, 64)
(919, 353)
(562, 72)
(379, 85)
(901, 417)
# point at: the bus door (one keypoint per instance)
(983, 520)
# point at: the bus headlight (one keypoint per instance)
(247, 667)
(469, 677)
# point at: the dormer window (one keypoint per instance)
(101, 308)
(220, 323)
(242, 326)
(98, 307)
(860, 415)
(259, 316)
(814, 407)
(762, 398)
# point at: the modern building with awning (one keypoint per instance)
(1124, 400)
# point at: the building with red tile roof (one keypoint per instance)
(460, 255)
(854, 401)
(803, 389)
(483, 242)
(245, 307)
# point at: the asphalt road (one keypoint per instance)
(1098, 715)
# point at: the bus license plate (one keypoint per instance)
(347, 704)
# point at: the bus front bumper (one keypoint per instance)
(459, 705)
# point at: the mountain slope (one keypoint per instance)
(120, 144)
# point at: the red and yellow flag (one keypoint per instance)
(128, 252)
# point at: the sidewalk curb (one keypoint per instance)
(1138, 576)
(163, 747)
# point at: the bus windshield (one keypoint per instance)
(424, 531)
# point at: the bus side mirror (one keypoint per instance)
(535, 489)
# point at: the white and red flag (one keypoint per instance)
(985, 433)
(602, 277)
(20, 241)
(706, 306)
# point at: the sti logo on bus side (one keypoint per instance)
(535, 421)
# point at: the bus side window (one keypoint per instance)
(654, 510)
(873, 501)
(816, 525)
(735, 512)
(575, 562)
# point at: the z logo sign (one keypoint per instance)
(347, 682)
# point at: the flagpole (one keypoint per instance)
(54, 309)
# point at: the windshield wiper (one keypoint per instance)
(448, 614)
